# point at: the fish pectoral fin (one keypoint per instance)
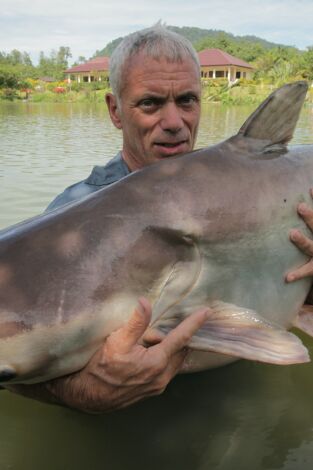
(242, 333)
(304, 320)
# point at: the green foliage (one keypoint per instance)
(9, 76)
(308, 63)
(273, 64)
(16, 67)
(280, 65)
(75, 86)
(15, 57)
(201, 38)
(54, 64)
(8, 94)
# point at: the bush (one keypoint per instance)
(9, 94)
(75, 86)
(8, 79)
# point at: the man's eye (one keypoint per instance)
(188, 100)
(148, 103)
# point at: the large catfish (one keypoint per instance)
(209, 228)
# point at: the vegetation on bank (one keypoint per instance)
(38, 91)
(273, 64)
(217, 91)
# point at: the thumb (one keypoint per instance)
(132, 331)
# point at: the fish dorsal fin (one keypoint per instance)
(275, 119)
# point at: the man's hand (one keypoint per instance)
(304, 244)
(123, 371)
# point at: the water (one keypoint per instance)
(243, 416)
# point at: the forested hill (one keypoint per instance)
(246, 47)
(273, 64)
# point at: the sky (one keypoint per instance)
(88, 25)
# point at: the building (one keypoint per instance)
(214, 64)
(95, 70)
(219, 64)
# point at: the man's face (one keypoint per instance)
(159, 110)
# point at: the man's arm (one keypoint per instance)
(123, 371)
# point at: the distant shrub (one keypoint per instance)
(75, 86)
(9, 94)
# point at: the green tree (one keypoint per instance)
(308, 63)
(54, 65)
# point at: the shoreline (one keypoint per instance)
(219, 92)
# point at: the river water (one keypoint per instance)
(243, 416)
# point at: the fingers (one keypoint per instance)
(153, 336)
(304, 271)
(129, 335)
(181, 335)
(302, 242)
(297, 237)
(306, 213)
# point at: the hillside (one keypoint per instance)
(246, 47)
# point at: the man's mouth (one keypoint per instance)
(169, 149)
(171, 144)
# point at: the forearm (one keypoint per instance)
(43, 392)
(123, 371)
(64, 391)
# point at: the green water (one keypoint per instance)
(243, 416)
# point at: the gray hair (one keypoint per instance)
(155, 42)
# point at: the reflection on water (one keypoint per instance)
(243, 416)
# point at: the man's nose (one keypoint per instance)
(171, 118)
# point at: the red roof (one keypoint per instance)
(214, 57)
(208, 57)
(99, 64)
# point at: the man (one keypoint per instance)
(155, 79)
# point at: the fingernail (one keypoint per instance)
(290, 278)
(302, 208)
(294, 235)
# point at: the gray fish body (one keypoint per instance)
(207, 228)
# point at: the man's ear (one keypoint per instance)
(114, 111)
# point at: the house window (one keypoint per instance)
(211, 74)
(85, 79)
(238, 74)
(220, 74)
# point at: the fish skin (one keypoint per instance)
(209, 228)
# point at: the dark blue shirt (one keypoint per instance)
(100, 176)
